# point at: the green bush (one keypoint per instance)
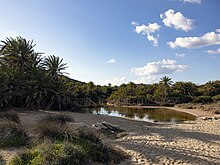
(50, 153)
(9, 116)
(12, 135)
(216, 98)
(67, 153)
(86, 143)
(203, 99)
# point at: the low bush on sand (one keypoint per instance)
(12, 135)
(50, 153)
(69, 153)
(62, 141)
(53, 127)
(9, 117)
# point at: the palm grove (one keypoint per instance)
(31, 80)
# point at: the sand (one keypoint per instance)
(195, 142)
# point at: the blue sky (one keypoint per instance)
(118, 41)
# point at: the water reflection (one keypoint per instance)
(160, 115)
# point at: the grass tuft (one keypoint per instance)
(61, 118)
(12, 135)
(9, 117)
(53, 127)
(84, 132)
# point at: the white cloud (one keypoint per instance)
(176, 20)
(116, 81)
(153, 39)
(213, 51)
(145, 80)
(147, 30)
(217, 30)
(166, 66)
(210, 38)
(111, 61)
(134, 23)
(180, 54)
(192, 1)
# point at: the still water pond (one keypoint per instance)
(159, 115)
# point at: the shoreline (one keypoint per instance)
(195, 112)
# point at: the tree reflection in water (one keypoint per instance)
(146, 114)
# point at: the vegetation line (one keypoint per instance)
(33, 81)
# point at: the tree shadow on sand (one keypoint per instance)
(156, 151)
(171, 133)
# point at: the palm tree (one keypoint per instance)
(18, 53)
(166, 81)
(54, 65)
(163, 90)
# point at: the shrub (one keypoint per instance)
(105, 153)
(61, 118)
(84, 132)
(203, 99)
(50, 153)
(91, 143)
(216, 98)
(1, 160)
(84, 142)
(53, 127)
(12, 135)
(9, 116)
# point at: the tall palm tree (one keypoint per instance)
(54, 65)
(163, 90)
(18, 53)
(166, 81)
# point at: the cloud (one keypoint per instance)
(176, 20)
(213, 51)
(180, 54)
(145, 80)
(147, 31)
(217, 30)
(210, 38)
(192, 1)
(116, 81)
(148, 73)
(111, 61)
(166, 66)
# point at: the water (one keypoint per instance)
(154, 115)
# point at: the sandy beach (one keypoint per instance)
(194, 142)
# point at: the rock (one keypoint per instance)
(206, 118)
(203, 118)
(107, 127)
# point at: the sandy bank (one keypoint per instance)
(195, 142)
